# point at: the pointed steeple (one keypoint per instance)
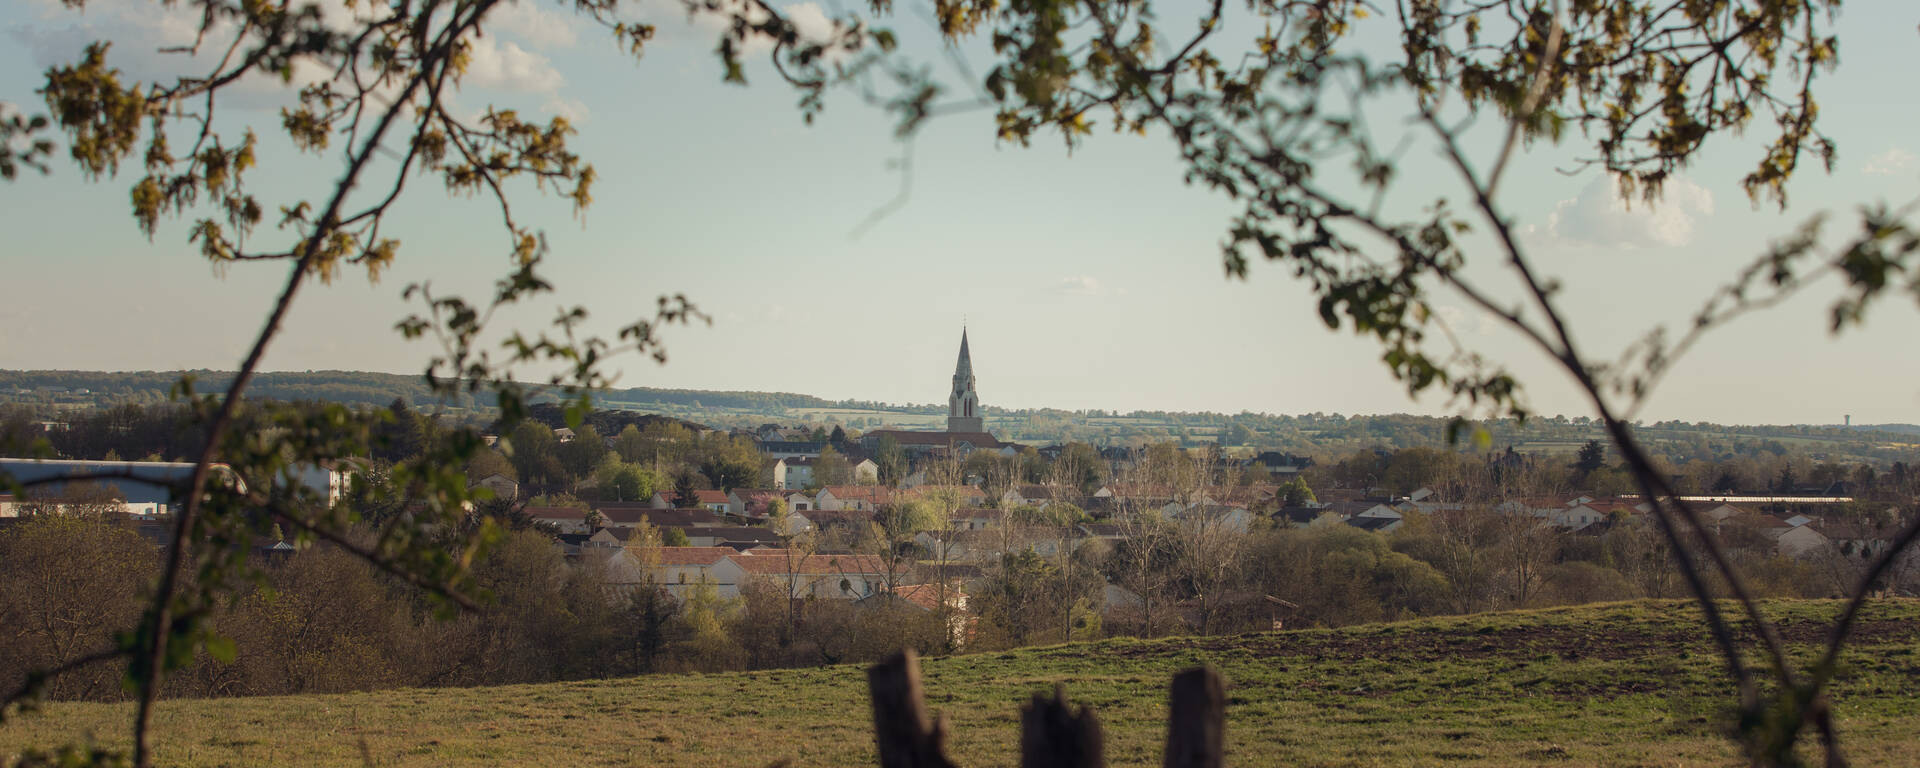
(964, 368)
(963, 404)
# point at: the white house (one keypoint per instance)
(860, 498)
(1801, 541)
(1233, 517)
(793, 472)
(566, 519)
(713, 501)
(679, 570)
(503, 487)
(847, 577)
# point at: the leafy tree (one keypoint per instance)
(895, 526)
(485, 464)
(831, 468)
(1295, 493)
(632, 446)
(674, 537)
(582, 455)
(620, 481)
(892, 461)
(1592, 457)
(730, 462)
(1080, 468)
(1236, 434)
(684, 496)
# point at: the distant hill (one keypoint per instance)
(606, 422)
(1903, 429)
(1611, 684)
(1244, 432)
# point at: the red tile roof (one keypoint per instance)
(556, 513)
(872, 494)
(693, 555)
(775, 564)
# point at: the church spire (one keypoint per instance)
(964, 368)
(963, 405)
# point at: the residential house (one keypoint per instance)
(1281, 467)
(706, 499)
(821, 576)
(788, 449)
(607, 539)
(679, 570)
(1033, 496)
(1801, 541)
(735, 537)
(503, 487)
(1234, 518)
(145, 488)
(928, 598)
(975, 518)
(566, 519)
(793, 472)
(863, 470)
(1855, 540)
(864, 498)
(1306, 517)
(1107, 532)
(923, 444)
(1375, 524)
(966, 494)
(753, 502)
(628, 516)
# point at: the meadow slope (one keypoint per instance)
(1628, 684)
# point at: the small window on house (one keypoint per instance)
(683, 577)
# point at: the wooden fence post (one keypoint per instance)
(1054, 735)
(1197, 721)
(901, 729)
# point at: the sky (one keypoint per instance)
(1089, 279)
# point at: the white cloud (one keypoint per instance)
(1893, 162)
(139, 28)
(1598, 216)
(1085, 285)
(533, 22)
(504, 65)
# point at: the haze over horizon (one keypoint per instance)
(1091, 281)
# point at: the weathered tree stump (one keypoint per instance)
(1054, 734)
(906, 737)
(1197, 721)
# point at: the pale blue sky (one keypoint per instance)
(1090, 281)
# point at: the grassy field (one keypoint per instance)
(1631, 684)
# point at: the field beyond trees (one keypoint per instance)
(1621, 684)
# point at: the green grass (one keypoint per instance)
(1627, 684)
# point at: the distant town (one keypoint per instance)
(782, 542)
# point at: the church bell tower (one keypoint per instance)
(963, 406)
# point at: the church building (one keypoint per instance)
(963, 406)
(966, 421)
